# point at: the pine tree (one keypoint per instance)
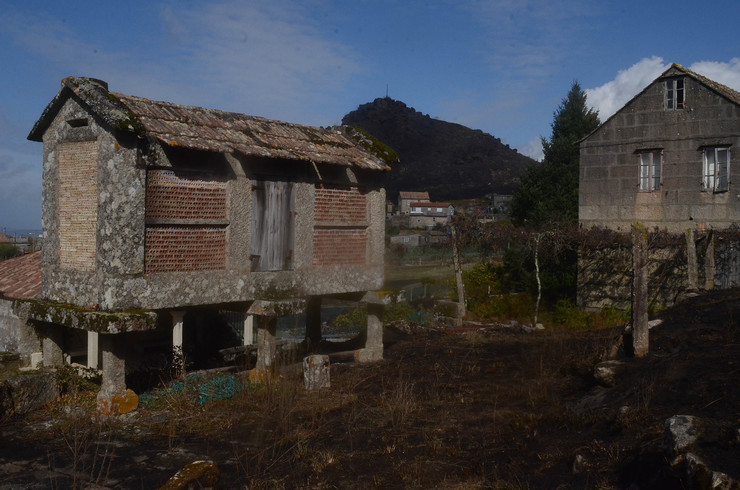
(548, 190)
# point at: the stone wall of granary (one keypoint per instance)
(609, 192)
(134, 224)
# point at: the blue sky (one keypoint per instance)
(501, 66)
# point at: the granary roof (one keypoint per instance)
(199, 128)
(21, 277)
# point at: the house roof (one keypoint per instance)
(414, 195)
(676, 69)
(214, 130)
(21, 277)
(431, 204)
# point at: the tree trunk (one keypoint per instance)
(461, 308)
(537, 275)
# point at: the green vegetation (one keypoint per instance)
(548, 190)
(8, 251)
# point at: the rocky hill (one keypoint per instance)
(449, 160)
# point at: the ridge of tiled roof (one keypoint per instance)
(431, 204)
(20, 277)
(215, 130)
(724, 90)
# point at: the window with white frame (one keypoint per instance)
(651, 163)
(675, 97)
(716, 163)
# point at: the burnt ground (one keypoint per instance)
(485, 409)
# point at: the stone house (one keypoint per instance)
(157, 215)
(664, 159)
(429, 214)
(405, 198)
(20, 278)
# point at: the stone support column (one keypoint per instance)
(313, 320)
(52, 346)
(640, 332)
(92, 349)
(178, 356)
(114, 365)
(373, 350)
(248, 329)
(266, 344)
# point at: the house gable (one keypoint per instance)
(614, 171)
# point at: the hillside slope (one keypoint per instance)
(449, 160)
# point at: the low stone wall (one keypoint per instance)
(9, 327)
(605, 272)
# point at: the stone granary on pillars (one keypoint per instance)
(665, 160)
(156, 215)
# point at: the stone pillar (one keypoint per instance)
(313, 320)
(692, 264)
(316, 372)
(52, 346)
(178, 356)
(114, 365)
(266, 345)
(640, 332)
(248, 329)
(373, 350)
(92, 349)
(709, 265)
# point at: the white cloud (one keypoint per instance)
(611, 96)
(533, 149)
(724, 73)
(262, 58)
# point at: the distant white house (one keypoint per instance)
(406, 198)
(429, 214)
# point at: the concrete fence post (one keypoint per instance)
(692, 264)
(709, 265)
(640, 333)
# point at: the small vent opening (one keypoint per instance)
(78, 123)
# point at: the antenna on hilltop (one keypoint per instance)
(386, 91)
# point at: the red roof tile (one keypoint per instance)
(21, 277)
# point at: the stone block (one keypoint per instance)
(119, 403)
(316, 372)
(198, 474)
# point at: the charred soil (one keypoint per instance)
(491, 408)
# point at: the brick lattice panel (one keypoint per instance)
(78, 204)
(173, 249)
(171, 197)
(337, 246)
(340, 206)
